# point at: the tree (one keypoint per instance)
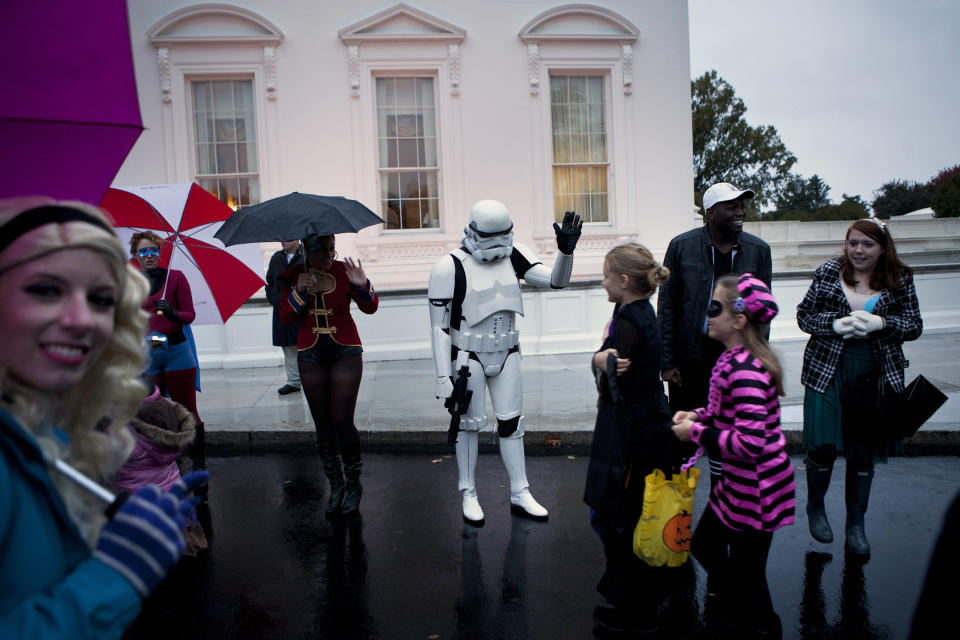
(803, 195)
(898, 197)
(727, 149)
(945, 200)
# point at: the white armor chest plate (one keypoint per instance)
(492, 287)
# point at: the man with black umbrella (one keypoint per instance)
(284, 336)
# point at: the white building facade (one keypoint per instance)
(419, 110)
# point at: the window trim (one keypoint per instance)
(608, 163)
(192, 129)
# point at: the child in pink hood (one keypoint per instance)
(162, 429)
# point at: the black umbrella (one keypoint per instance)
(295, 216)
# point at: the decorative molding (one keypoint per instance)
(166, 85)
(626, 62)
(238, 25)
(533, 67)
(270, 71)
(592, 244)
(399, 23)
(582, 22)
(374, 253)
(453, 57)
(353, 68)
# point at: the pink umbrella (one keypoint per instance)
(186, 216)
(69, 113)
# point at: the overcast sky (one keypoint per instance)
(861, 91)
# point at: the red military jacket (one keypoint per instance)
(326, 313)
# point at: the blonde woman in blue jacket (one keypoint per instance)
(72, 332)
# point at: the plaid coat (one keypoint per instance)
(825, 302)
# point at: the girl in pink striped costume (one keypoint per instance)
(741, 427)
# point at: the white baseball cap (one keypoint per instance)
(724, 192)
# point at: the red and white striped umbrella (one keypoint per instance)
(186, 216)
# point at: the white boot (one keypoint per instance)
(468, 447)
(521, 500)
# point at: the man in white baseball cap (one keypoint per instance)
(697, 259)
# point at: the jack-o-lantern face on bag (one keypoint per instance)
(676, 533)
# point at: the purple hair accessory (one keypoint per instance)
(739, 305)
(756, 297)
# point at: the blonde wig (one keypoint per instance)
(94, 413)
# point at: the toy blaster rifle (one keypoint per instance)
(458, 403)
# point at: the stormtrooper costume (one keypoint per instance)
(474, 296)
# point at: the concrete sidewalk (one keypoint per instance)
(396, 407)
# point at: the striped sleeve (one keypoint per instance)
(752, 436)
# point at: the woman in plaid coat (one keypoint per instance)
(859, 310)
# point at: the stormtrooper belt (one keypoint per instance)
(484, 342)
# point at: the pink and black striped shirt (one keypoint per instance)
(741, 426)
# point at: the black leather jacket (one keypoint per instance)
(683, 300)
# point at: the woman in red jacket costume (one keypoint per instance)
(329, 356)
(173, 363)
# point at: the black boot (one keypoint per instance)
(353, 490)
(818, 480)
(334, 472)
(858, 483)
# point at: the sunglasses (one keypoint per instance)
(715, 309)
(148, 251)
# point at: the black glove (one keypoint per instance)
(569, 233)
(168, 312)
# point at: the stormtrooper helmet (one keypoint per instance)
(489, 234)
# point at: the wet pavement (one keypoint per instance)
(409, 567)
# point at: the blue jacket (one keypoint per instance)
(50, 584)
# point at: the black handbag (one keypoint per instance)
(907, 411)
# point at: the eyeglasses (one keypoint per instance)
(148, 251)
(715, 309)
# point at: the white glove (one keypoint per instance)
(870, 322)
(443, 388)
(844, 326)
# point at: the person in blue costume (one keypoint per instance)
(72, 352)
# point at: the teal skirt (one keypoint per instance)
(841, 417)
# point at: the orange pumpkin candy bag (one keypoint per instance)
(663, 532)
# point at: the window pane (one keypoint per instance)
(411, 214)
(429, 157)
(558, 90)
(243, 94)
(202, 97)
(252, 190)
(223, 96)
(428, 212)
(406, 93)
(409, 184)
(428, 185)
(429, 127)
(225, 130)
(595, 123)
(595, 89)
(578, 89)
(385, 91)
(406, 152)
(206, 160)
(598, 148)
(425, 92)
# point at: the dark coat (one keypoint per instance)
(684, 298)
(632, 437)
(283, 335)
(632, 434)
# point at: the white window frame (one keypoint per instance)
(608, 163)
(191, 124)
(381, 171)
